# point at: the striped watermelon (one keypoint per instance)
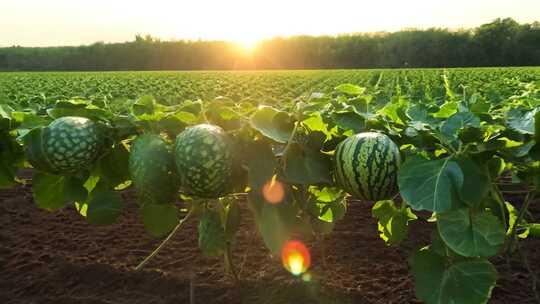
(67, 145)
(152, 169)
(366, 165)
(204, 161)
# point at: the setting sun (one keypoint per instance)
(247, 44)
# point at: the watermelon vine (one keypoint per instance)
(297, 164)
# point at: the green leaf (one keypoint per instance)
(186, 117)
(159, 219)
(534, 229)
(395, 111)
(275, 225)
(144, 105)
(302, 165)
(7, 176)
(392, 222)
(512, 216)
(446, 110)
(439, 282)
(114, 166)
(53, 192)
(104, 206)
(11, 157)
(350, 121)
(34, 149)
(328, 204)
(419, 113)
(80, 108)
(350, 89)
(29, 120)
(212, 238)
(537, 126)
(476, 182)
(272, 123)
(451, 127)
(521, 121)
(471, 235)
(261, 163)
(316, 123)
(430, 184)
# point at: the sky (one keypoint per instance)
(76, 22)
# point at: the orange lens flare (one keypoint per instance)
(295, 257)
(273, 192)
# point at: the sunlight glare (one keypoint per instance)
(295, 257)
(247, 44)
(273, 191)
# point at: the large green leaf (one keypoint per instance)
(439, 282)
(261, 164)
(104, 206)
(392, 222)
(350, 89)
(446, 110)
(303, 165)
(76, 107)
(451, 127)
(476, 182)
(114, 166)
(349, 120)
(159, 219)
(471, 234)
(212, 237)
(430, 184)
(521, 120)
(52, 192)
(272, 123)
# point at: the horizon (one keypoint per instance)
(71, 23)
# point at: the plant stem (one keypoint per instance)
(229, 265)
(158, 249)
(513, 231)
(497, 196)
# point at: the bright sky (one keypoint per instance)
(74, 22)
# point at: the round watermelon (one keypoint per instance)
(66, 145)
(366, 166)
(152, 170)
(204, 161)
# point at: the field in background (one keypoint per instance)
(262, 87)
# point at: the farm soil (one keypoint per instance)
(56, 257)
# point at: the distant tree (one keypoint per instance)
(503, 42)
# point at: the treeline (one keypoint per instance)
(503, 42)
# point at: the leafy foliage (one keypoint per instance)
(459, 133)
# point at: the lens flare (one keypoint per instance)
(295, 257)
(273, 191)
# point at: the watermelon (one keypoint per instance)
(67, 145)
(152, 170)
(366, 166)
(204, 161)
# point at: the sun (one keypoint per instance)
(247, 44)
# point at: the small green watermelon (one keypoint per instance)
(152, 170)
(204, 161)
(366, 166)
(66, 145)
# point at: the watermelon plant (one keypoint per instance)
(152, 170)
(366, 165)
(204, 160)
(66, 145)
(414, 147)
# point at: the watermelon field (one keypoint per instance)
(285, 186)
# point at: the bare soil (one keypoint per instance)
(56, 257)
